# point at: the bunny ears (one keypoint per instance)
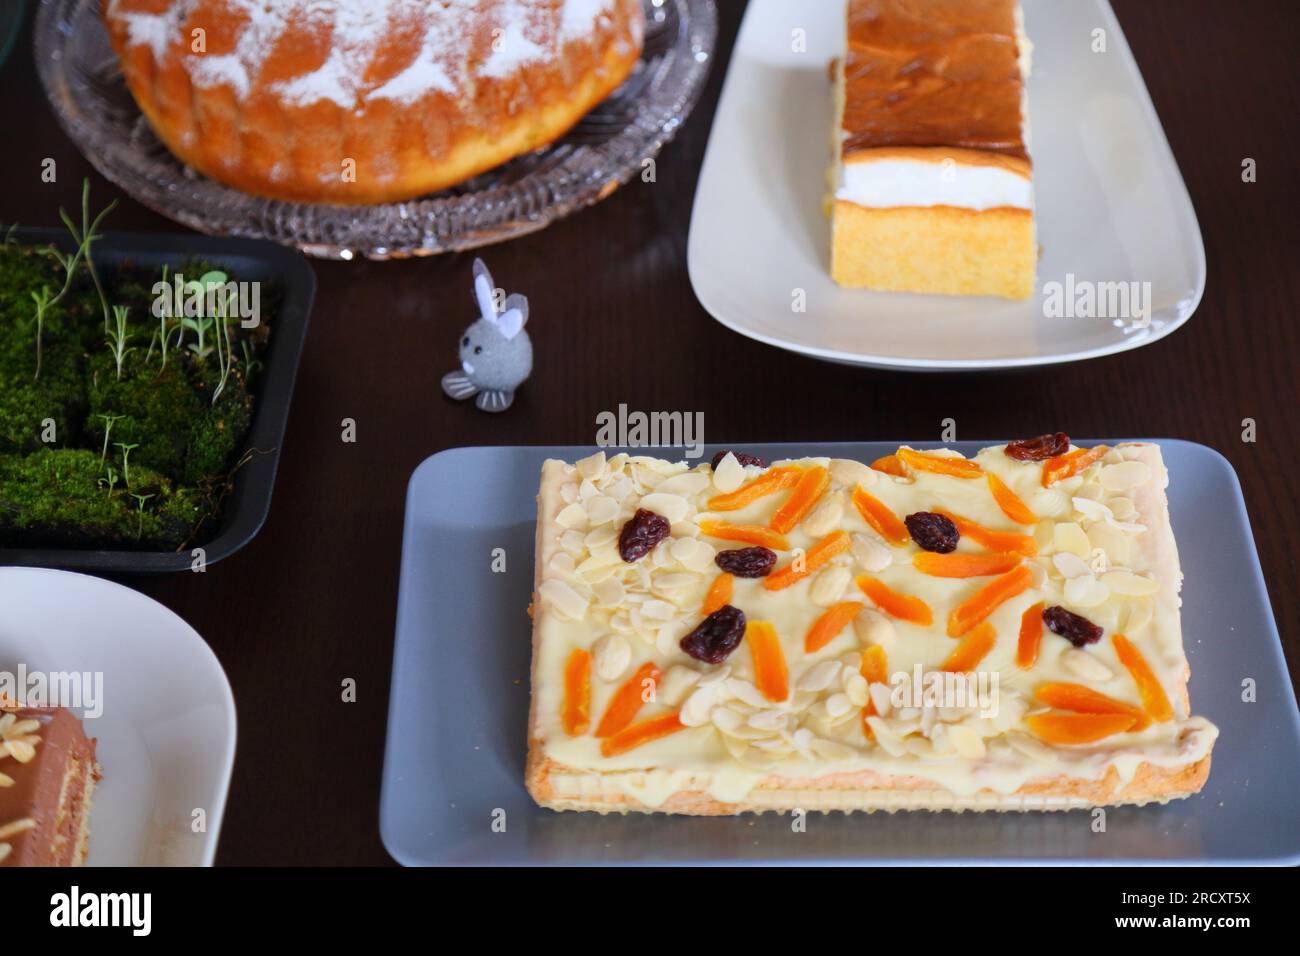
(510, 321)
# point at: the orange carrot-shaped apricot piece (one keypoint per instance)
(1010, 503)
(895, 603)
(939, 464)
(765, 484)
(576, 712)
(806, 493)
(876, 670)
(627, 700)
(1031, 635)
(826, 627)
(770, 673)
(987, 600)
(837, 542)
(1154, 700)
(719, 593)
(974, 647)
(642, 733)
(1060, 728)
(957, 565)
(1003, 542)
(1071, 463)
(1085, 700)
(877, 514)
(749, 533)
(890, 465)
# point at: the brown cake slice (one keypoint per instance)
(48, 773)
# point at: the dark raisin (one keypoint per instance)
(932, 532)
(747, 562)
(643, 531)
(716, 636)
(741, 457)
(1040, 448)
(1074, 628)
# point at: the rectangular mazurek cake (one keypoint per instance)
(927, 631)
(932, 180)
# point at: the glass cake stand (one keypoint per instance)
(604, 150)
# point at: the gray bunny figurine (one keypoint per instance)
(496, 355)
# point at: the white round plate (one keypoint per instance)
(166, 734)
(1111, 206)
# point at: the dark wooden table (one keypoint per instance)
(312, 600)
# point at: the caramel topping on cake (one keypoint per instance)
(925, 73)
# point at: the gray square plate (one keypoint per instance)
(457, 722)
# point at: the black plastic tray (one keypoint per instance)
(245, 508)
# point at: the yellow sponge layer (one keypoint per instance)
(934, 249)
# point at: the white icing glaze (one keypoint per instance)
(890, 183)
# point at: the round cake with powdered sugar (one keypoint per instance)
(366, 101)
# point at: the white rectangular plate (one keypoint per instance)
(166, 737)
(1111, 204)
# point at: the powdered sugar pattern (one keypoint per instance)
(520, 35)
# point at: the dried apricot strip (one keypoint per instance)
(987, 600)
(890, 465)
(1031, 636)
(1085, 700)
(877, 514)
(895, 603)
(576, 712)
(719, 593)
(1003, 542)
(837, 542)
(1154, 700)
(749, 533)
(974, 647)
(1055, 727)
(770, 673)
(627, 700)
(1071, 463)
(875, 669)
(812, 485)
(939, 464)
(642, 733)
(765, 484)
(826, 627)
(1010, 502)
(957, 565)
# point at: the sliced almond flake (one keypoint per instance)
(562, 563)
(1082, 664)
(673, 581)
(672, 507)
(829, 585)
(1090, 509)
(699, 704)
(687, 485)
(602, 537)
(1137, 617)
(852, 661)
(1070, 565)
(715, 676)
(593, 466)
(1085, 591)
(747, 692)
(1123, 509)
(1091, 490)
(857, 689)
(1126, 475)
(882, 698)
(677, 681)
(773, 746)
(588, 567)
(658, 610)
(1031, 748)
(621, 621)
(572, 542)
(662, 555)
(929, 720)
(872, 554)
(735, 746)
(1069, 537)
(587, 490)
(1129, 584)
(851, 474)
(569, 492)
(729, 475)
(20, 750)
(601, 509)
(618, 487)
(727, 720)
(838, 705)
(889, 741)
(572, 517)
(1044, 535)
(1113, 542)
(826, 516)
(966, 741)
(609, 592)
(668, 639)
(833, 750)
(872, 627)
(769, 720)
(610, 656)
(819, 677)
(919, 746)
(565, 599)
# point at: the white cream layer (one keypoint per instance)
(894, 183)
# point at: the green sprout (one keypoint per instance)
(108, 428)
(110, 481)
(126, 460)
(85, 237)
(42, 300)
(140, 501)
(251, 363)
(118, 337)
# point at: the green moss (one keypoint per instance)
(154, 409)
(217, 435)
(56, 498)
